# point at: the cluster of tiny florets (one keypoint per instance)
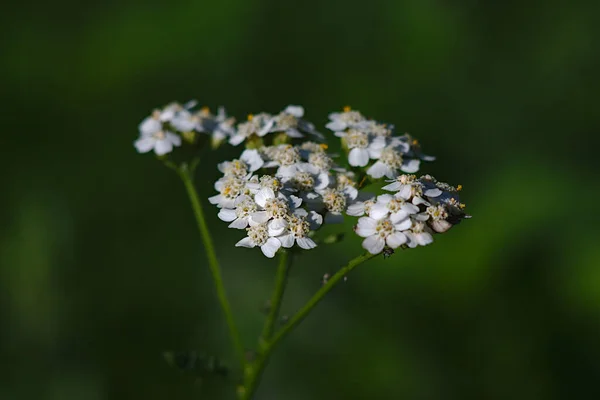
(284, 185)
(372, 145)
(419, 208)
(281, 194)
(165, 128)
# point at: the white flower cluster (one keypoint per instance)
(301, 190)
(289, 122)
(284, 185)
(368, 140)
(164, 128)
(419, 208)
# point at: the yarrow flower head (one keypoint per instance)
(164, 128)
(285, 185)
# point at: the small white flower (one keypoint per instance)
(346, 183)
(418, 235)
(259, 125)
(162, 142)
(360, 208)
(221, 126)
(230, 188)
(390, 161)
(240, 218)
(395, 208)
(258, 235)
(185, 121)
(340, 121)
(362, 147)
(297, 231)
(379, 233)
(154, 123)
(290, 122)
(275, 209)
(253, 159)
(237, 168)
(334, 202)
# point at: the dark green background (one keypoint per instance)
(101, 264)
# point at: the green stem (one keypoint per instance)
(317, 297)
(254, 371)
(187, 177)
(280, 281)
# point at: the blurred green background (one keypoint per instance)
(102, 268)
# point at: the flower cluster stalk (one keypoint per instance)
(213, 263)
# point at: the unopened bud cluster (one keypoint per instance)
(284, 186)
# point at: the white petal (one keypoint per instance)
(377, 170)
(300, 212)
(322, 181)
(287, 171)
(441, 226)
(266, 128)
(358, 157)
(352, 192)
(252, 158)
(373, 244)
(144, 144)
(270, 247)
(227, 215)
(405, 192)
(384, 198)
(227, 203)
(411, 241)
(306, 243)
(162, 147)
(396, 239)
(423, 238)
(315, 220)
(410, 166)
(296, 111)
(403, 225)
(419, 200)
(296, 201)
(421, 217)
(183, 123)
(263, 195)
(365, 227)
(236, 139)
(239, 223)
(173, 138)
(336, 125)
(245, 242)
(260, 217)
(378, 143)
(150, 126)
(391, 173)
(215, 199)
(287, 241)
(356, 209)
(409, 208)
(398, 216)
(433, 192)
(378, 211)
(277, 226)
(392, 187)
